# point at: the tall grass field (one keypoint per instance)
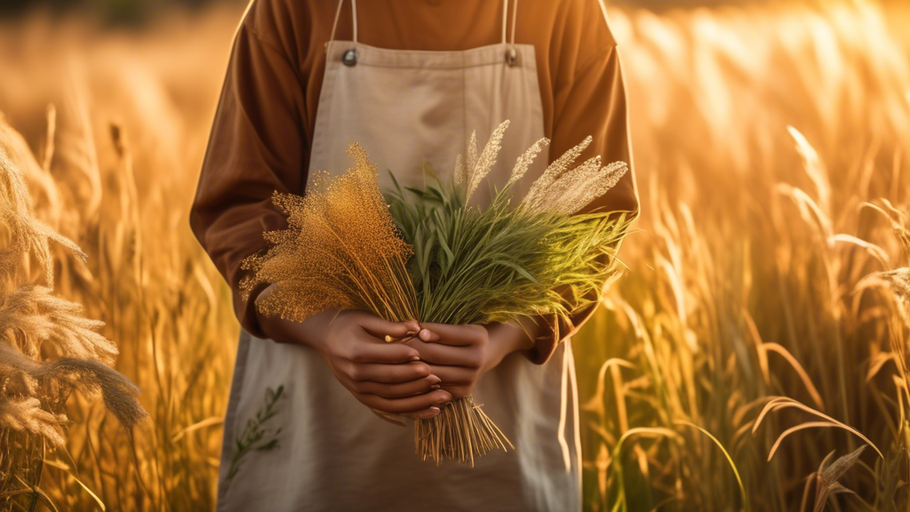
(754, 355)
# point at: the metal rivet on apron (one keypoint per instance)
(349, 58)
(511, 56)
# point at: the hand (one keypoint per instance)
(387, 377)
(461, 354)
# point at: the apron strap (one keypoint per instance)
(338, 15)
(505, 17)
(511, 53)
(514, 19)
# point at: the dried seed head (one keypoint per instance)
(567, 190)
(487, 159)
(341, 249)
(560, 165)
(526, 159)
(460, 170)
(472, 153)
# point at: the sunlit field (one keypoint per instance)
(752, 357)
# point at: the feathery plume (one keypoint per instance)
(487, 159)
(525, 160)
(472, 154)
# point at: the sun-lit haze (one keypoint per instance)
(770, 142)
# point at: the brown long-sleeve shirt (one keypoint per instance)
(266, 114)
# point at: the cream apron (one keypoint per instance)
(333, 453)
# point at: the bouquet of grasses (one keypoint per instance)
(425, 254)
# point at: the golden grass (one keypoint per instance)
(130, 133)
(761, 136)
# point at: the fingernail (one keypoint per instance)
(429, 414)
(434, 379)
(434, 386)
(415, 358)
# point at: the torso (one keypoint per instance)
(335, 454)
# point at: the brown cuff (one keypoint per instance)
(555, 329)
(546, 341)
(245, 310)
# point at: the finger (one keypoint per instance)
(387, 353)
(415, 387)
(447, 355)
(428, 335)
(427, 414)
(458, 391)
(389, 373)
(409, 405)
(452, 375)
(380, 327)
(459, 335)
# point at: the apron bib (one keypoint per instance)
(333, 453)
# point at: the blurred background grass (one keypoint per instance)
(132, 11)
(759, 131)
(108, 11)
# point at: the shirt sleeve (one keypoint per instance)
(592, 103)
(257, 145)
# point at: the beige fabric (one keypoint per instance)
(334, 454)
(439, 98)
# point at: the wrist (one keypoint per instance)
(276, 328)
(506, 338)
(310, 332)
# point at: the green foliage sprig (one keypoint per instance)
(255, 436)
(497, 263)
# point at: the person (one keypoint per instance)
(409, 80)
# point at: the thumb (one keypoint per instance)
(428, 336)
(381, 328)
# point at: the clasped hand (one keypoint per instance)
(420, 376)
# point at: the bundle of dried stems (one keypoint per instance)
(425, 254)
